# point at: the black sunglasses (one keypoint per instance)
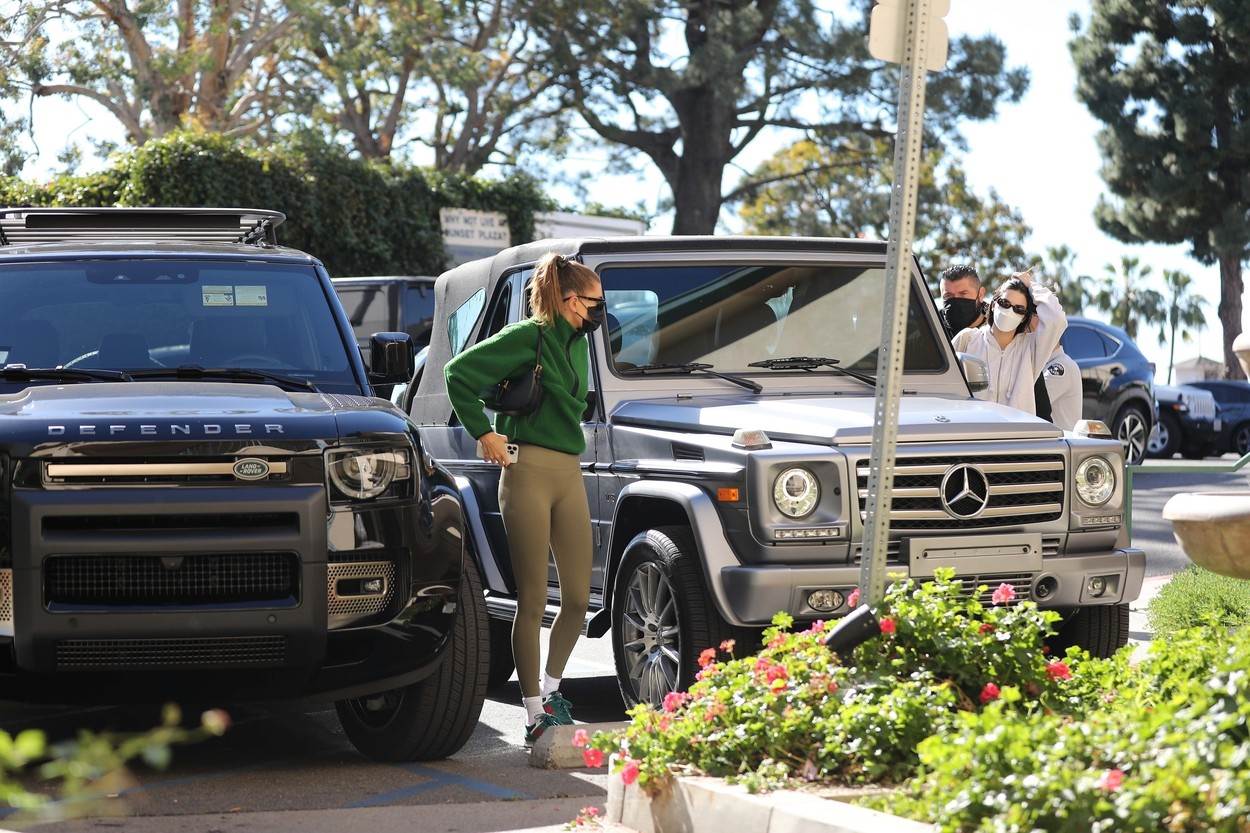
(592, 303)
(1005, 304)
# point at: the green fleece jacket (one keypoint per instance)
(566, 366)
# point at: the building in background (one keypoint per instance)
(470, 234)
(1198, 369)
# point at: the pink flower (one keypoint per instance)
(887, 625)
(664, 723)
(714, 711)
(777, 641)
(1059, 670)
(728, 646)
(985, 628)
(762, 664)
(1111, 780)
(581, 738)
(674, 700)
(707, 657)
(817, 627)
(704, 673)
(989, 693)
(776, 672)
(853, 599)
(593, 757)
(1003, 594)
(629, 772)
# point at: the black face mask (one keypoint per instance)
(959, 313)
(593, 319)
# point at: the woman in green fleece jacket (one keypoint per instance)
(541, 495)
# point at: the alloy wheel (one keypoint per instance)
(377, 710)
(1159, 438)
(651, 634)
(1132, 436)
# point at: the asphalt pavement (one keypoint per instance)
(285, 768)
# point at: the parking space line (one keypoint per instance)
(436, 778)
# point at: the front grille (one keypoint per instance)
(246, 651)
(1021, 583)
(6, 602)
(75, 524)
(1023, 489)
(689, 453)
(156, 471)
(188, 580)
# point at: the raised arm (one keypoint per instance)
(1051, 322)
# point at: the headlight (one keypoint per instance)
(796, 492)
(1095, 481)
(364, 474)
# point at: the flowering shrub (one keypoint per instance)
(794, 711)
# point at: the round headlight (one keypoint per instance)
(796, 492)
(1095, 481)
(362, 475)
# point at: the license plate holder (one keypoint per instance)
(975, 555)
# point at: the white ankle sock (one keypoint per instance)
(550, 684)
(533, 708)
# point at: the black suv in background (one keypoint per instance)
(1118, 381)
(202, 496)
(399, 303)
(1188, 423)
(1233, 398)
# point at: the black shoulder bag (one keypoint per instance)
(521, 395)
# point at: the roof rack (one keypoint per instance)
(22, 226)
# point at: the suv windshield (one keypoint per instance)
(732, 315)
(139, 315)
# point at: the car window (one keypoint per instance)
(419, 312)
(367, 308)
(149, 314)
(1109, 344)
(731, 315)
(1083, 343)
(460, 323)
(501, 311)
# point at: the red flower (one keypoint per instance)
(629, 772)
(776, 672)
(887, 625)
(777, 641)
(1003, 594)
(853, 599)
(593, 757)
(989, 693)
(1111, 780)
(728, 646)
(674, 700)
(985, 628)
(1059, 670)
(707, 657)
(581, 738)
(1045, 649)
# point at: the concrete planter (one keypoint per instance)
(710, 805)
(1213, 528)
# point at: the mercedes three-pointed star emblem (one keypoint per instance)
(965, 491)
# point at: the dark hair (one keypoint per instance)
(961, 271)
(554, 277)
(1019, 286)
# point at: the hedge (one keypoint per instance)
(359, 217)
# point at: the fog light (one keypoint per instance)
(825, 600)
(808, 532)
(371, 586)
(1097, 586)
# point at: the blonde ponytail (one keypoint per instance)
(554, 277)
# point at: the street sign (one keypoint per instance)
(917, 24)
(469, 234)
(887, 32)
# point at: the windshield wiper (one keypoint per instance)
(813, 362)
(191, 371)
(691, 367)
(21, 373)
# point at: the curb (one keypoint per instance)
(555, 749)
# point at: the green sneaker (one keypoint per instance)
(535, 730)
(559, 708)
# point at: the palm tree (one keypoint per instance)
(1124, 295)
(1184, 310)
(1057, 272)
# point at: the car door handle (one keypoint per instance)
(1116, 370)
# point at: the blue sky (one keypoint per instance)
(1040, 155)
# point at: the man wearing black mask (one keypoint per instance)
(963, 300)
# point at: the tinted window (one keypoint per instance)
(460, 323)
(1109, 344)
(368, 309)
(500, 313)
(732, 315)
(419, 312)
(1083, 343)
(148, 314)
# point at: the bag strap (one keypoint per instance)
(538, 352)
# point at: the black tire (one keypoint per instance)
(671, 552)
(1101, 630)
(1239, 439)
(1198, 453)
(1132, 428)
(432, 719)
(502, 663)
(1167, 441)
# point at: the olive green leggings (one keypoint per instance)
(545, 510)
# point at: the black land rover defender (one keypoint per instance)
(201, 496)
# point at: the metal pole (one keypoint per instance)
(898, 280)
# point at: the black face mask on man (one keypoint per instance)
(959, 313)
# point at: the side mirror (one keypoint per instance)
(975, 371)
(392, 358)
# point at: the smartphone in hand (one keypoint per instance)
(511, 449)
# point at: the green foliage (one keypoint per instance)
(1165, 751)
(359, 217)
(1058, 272)
(843, 190)
(1124, 295)
(1184, 310)
(795, 712)
(1196, 597)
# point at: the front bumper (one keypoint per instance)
(754, 594)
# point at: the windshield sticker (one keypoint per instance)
(251, 296)
(218, 296)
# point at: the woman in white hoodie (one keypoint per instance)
(1015, 349)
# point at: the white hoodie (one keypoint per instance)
(1013, 371)
(1063, 386)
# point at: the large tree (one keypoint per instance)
(813, 189)
(1170, 80)
(690, 85)
(1182, 312)
(1125, 297)
(1059, 273)
(159, 65)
